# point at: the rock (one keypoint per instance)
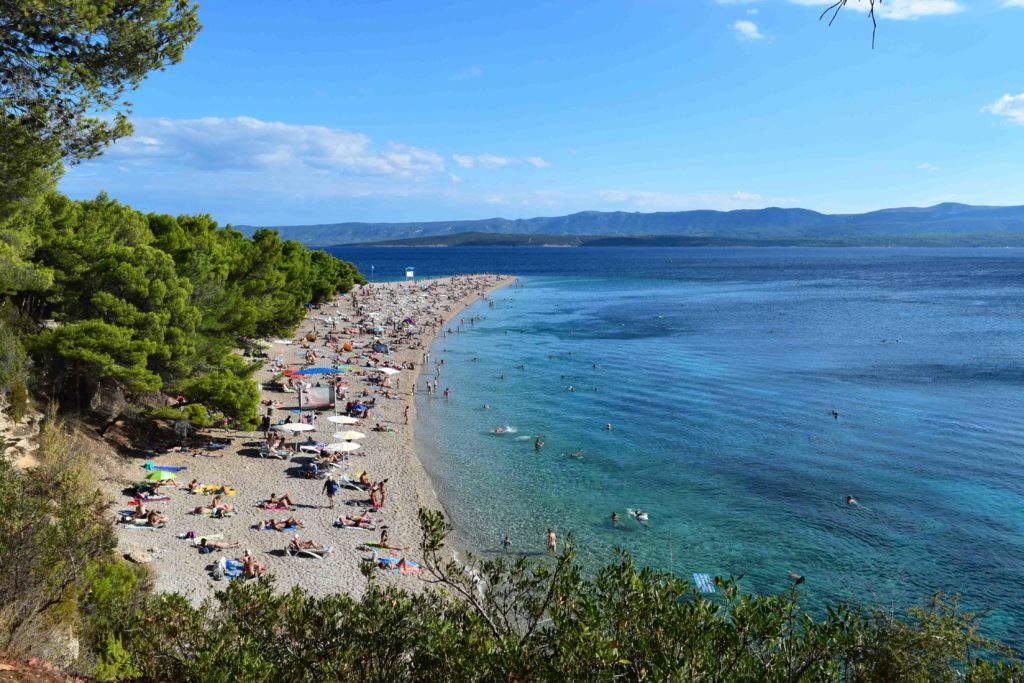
(139, 557)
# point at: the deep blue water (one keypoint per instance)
(718, 369)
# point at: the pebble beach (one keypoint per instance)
(385, 455)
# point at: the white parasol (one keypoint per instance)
(343, 420)
(293, 427)
(342, 447)
(349, 435)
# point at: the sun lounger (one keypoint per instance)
(308, 552)
(268, 452)
(350, 483)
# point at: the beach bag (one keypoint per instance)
(218, 572)
(206, 550)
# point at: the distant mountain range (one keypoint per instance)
(942, 223)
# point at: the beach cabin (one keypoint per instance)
(410, 273)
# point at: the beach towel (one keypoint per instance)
(150, 466)
(148, 499)
(264, 506)
(390, 564)
(215, 489)
(133, 525)
(287, 528)
(704, 583)
(212, 515)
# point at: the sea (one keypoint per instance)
(718, 371)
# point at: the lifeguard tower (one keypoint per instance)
(410, 273)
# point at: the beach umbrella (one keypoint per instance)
(161, 475)
(343, 420)
(342, 447)
(388, 371)
(349, 435)
(293, 427)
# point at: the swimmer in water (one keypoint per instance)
(487, 407)
(850, 500)
(538, 443)
(608, 427)
(506, 543)
(615, 518)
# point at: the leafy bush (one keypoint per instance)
(544, 620)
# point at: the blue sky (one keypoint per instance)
(329, 111)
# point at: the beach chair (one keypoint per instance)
(350, 483)
(294, 551)
(274, 453)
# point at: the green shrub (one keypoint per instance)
(18, 401)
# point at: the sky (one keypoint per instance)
(324, 111)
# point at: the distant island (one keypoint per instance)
(947, 224)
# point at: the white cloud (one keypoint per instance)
(747, 30)
(246, 144)
(1010, 106)
(481, 160)
(1013, 3)
(467, 73)
(495, 161)
(895, 9)
(927, 167)
(753, 11)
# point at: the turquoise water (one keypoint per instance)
(718, 373)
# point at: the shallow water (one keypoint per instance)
(718, 370)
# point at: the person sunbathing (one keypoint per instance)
(140, 511)
(385, 542)
(305, 545)
(218, 545)
(364, 479)
(280, 524)
(155, 518)
(284, 501)
(251, 567)
(194, 486)
(362, 522)
(218, 506)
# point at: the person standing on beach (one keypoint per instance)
(331, 489)
(552, 542)
(407, 415)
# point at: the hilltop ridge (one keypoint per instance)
(770, 223)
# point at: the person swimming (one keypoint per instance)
(850, 500)
(615, 518)
(538, 443)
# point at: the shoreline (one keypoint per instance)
(392, 456)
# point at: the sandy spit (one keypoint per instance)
(388, 455)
